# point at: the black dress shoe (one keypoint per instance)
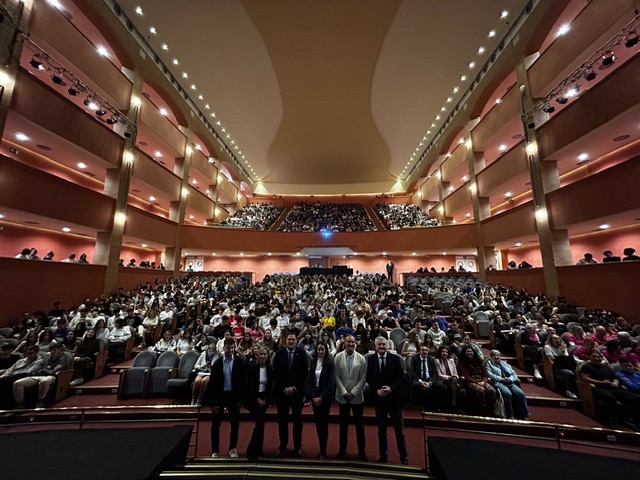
(280, 452)
(404, 461)
(340, 454)
(298, 452)
(363, 456)
(382, 460)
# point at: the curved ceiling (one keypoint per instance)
(324, 97)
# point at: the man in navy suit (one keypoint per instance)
(386, 379)
(225, 390)
(290, 367)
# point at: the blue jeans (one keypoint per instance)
(515, 402)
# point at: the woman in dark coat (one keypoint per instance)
(321, 388)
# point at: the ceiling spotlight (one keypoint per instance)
(608, 59)
(144, 245)
(152, 198)
(139, 10)
(21, 136)
(491, 34)
(472, 64)
(573, 91)
(632, 40)
(102, 51)
(66, 229)
(36, 64)
(72, 91)
(583, 157)
(564, 29)
(100, 112)
(504, 14)
(128, 133)
(165, 46)
(548, 108)
(508, 195)
(153, 30)
(57, 79)
(518, 244)
(562, 100)
(87, 101)
(82, 165)
(463, 78)
(502, 147)
(112, 121)
(590, 75)
(604, 226)
(163, 112)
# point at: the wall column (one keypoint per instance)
(116, 186)
(554, 244)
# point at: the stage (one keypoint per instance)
(96, 454)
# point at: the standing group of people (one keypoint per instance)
(290, 377)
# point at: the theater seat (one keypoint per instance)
(134, 380)
(181, 384)
(164, 370)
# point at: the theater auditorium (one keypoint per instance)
(451, 185)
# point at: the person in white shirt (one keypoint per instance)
(166, 343)
(166, 316)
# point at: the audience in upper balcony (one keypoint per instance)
(629, 254)
(609, 257)
(333, 217)
(587, 260)
(395, 216)
(259, 216)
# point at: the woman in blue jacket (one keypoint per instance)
(505, 379)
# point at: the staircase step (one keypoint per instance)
(93, 390)
(293, 468)
(555, 402)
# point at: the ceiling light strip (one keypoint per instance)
(492, 60)
(173, 80)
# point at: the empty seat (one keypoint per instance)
(164, 370)
(134, 380)
(180, 384)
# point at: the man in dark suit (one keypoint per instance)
(427, 386)
(390, 270)
(225, 390)
(290, 367)
(385, 377)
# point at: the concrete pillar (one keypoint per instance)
(554, 244)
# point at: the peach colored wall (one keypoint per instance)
(129, 278)
(530, 278)
(266, 265)
(530, 254)
(596, 243)
(28, 285)
(13, 238)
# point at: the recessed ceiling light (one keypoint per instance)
(504, 14)
(491, 34)
(164, 112)
(102, 51)
(21, 136)
(185, 75)
(438, 117)
(66, 229)
(572, 92)
(451, 188)
(468, 215)
(413, 253)
(443, 109)
(191, 217)
(518, 244)
(472, 64)
(498, 100)
(481, 50)
(465, 178)
(198, 147)
(144, 245)
(502, 147)
(152, 198)
(564, 29)
(82, 165)
(508, 194)
(449, 100)
(456, 89)
(158, 154)
(583, 157)
(463, 78)
(200, 97)
(165, 46)
(444, 253)
(175, 61)
(193, 86)
(194, 181)
(241, 254)
(604, 226)
(153, 30)
(139, 10)
(1, 215)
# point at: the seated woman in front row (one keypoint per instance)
(473, 376)
(505, 379)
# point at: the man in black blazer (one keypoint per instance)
(226, 390)
(386, 379)
(428, 389)
(290, 367)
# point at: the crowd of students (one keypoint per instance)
(333, 217)
(259, 216)
(396, 216)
